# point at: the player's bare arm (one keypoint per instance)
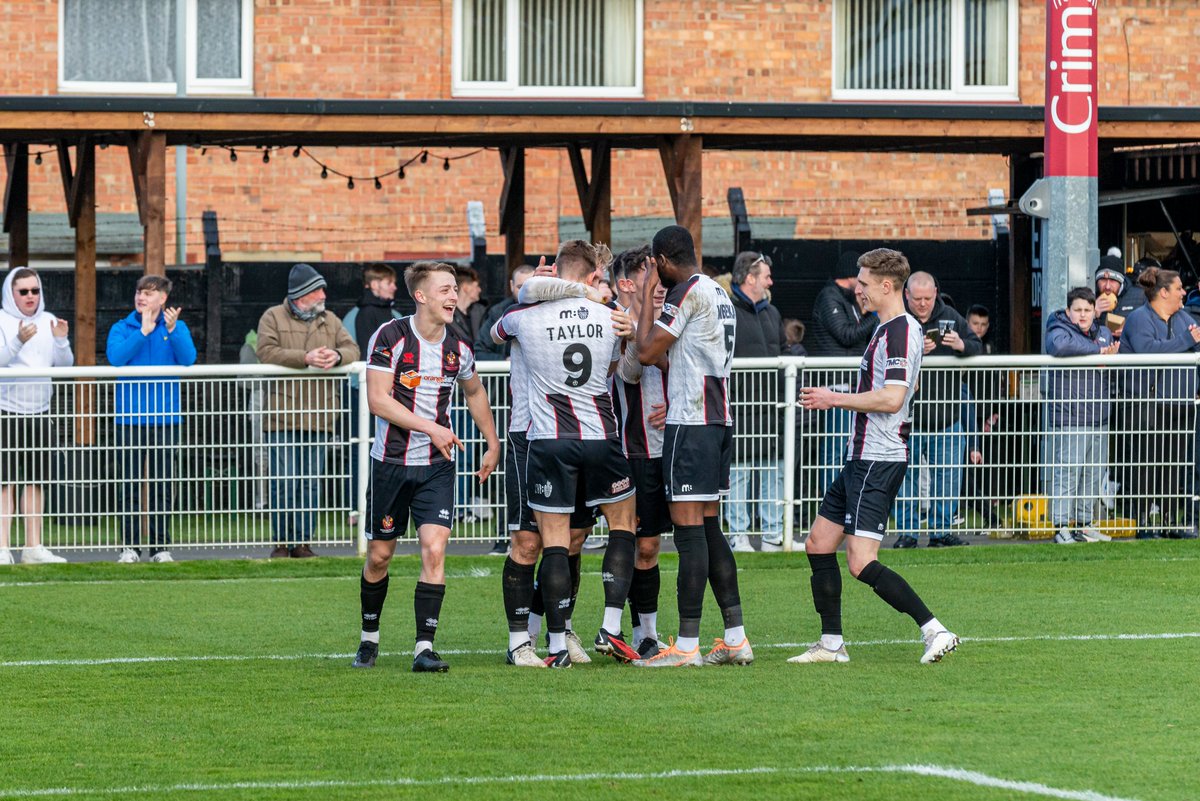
(653, 341)
(382, 404)
(481, 412)
(888, 400)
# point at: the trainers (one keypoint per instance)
(595, 543)
(280, 552)
(1065, 536)
(162, 556)
(649, 647)
(819, 653)
(429, 662)
(722, 654)
(499, 548)
(1093, 534)
(6, 557)
(672, 657)
(579, 654)
(524, 656)
(365, 658)
(559, 661)
(614, 645)
(905, 542)
(302, 551)
(128, 556)
(741, 543)
(937, 645)
(40, 555)
(947, 541)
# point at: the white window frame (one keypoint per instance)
(958, 91)
(512, 87)
(194, 85)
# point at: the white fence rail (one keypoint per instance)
(253, 455)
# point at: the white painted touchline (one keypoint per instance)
(936, 771)
(137, 660)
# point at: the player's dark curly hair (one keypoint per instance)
(676, 244)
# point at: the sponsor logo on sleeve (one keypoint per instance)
(897, 363)
(408, 358)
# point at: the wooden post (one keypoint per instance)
(595, 194)
(148, 162)
(16, 203)
(512, 206)
(681, 159)
(83, 189)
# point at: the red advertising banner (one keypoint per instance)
(1071, 77)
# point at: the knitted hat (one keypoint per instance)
(1111, 267)
(303, 279)
(847, 265)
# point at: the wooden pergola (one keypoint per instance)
(680, 132)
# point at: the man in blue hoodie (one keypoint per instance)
(147, 430)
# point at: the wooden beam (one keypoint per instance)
(16, 203)
(595, 193)
(83, 187)
(512, 206)
(85, 162)
(154, 146)
(682, 164)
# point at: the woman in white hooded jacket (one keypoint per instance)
(30, 336)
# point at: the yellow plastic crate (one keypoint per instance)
(1119, 528)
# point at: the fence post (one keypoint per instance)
(363, 454)
(788, 401)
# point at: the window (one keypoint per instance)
(548, 48)
(130, 46)
(925, 49)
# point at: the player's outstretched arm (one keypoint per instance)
(653, 341)
(538, 289)
(481, 412)
(382, 404)
(888, 400)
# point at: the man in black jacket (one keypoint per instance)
(937, 427)
(839, 328)
(758, 333)
(485, 348)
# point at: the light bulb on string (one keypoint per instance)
(296, 152)
(324, 171)
(38, 159)
(378, 183)
(446, 165)
(424, 156)
(401, 174)
(232, 154)
(266, 156)
(350, 182)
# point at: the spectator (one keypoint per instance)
(300, 413)
(980, 321)
(30, 336)
(758, 333)
(1077, 410)
(148, 414)
(793, 335)
(988, 475)
(485, 348)
(839, 328)
(1116, 296)
(1165, 458)
(374, 308)
(468, 316)
(938, 433)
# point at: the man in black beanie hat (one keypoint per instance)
(1115, 294)
(839, 328)
(300, 414)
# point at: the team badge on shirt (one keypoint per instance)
(387, 525)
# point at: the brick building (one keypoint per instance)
(809, 51)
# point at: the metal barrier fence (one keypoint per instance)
(250, 454)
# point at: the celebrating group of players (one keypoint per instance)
(623, 410)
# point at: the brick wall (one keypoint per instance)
(734, 51)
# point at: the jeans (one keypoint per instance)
(1076, 460)
(833, 446)
(945, 451)
(297, 470)
(738, 505)
(147, 455)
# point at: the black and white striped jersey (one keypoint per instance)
(424, 374)
(701, 317)
(634, 403)
(567, 346)
(893, 356)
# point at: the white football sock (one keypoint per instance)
(370, 636)
(422, 645)
(831, 642)
(535, 626)
(931, 627)
(735, 636)
(649, 625)
(558, 642)
(516, 639)
(612, 619)
(687, 643)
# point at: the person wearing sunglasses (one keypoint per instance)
(30, 336)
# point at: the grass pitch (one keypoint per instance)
(231, 680)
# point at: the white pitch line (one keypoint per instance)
(137, 660)
(936, 771)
